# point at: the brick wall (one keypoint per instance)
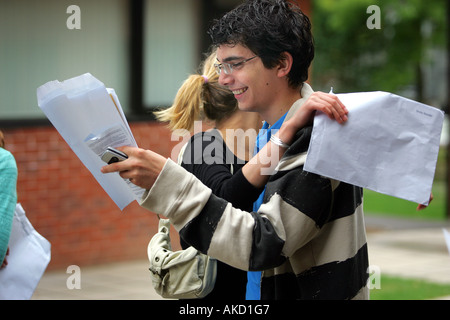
(68, 207)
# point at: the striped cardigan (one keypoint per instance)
(308, 237)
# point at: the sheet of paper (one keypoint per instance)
(81, 109)
(389, 145)
(29, 255)
(447, 238)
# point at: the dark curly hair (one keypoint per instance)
(269, 28)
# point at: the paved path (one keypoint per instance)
(113, 281)
(396, 247)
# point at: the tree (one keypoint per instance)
(351, 56)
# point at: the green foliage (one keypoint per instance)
(393, 288)
(352, 57)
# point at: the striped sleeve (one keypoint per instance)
(210, 223)
(246, 240)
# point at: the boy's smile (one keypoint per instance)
(255, 87)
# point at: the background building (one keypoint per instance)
(143, 49)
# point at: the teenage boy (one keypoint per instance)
(308, 235)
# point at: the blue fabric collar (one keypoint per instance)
(266, 132)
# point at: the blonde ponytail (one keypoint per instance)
(187, 105)
(199, 97)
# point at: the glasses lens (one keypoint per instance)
(227, 68)
(218, 68)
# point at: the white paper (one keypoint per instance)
(389, 145)
(29, 255)
(82, 108)
(447, 239)
(115, 136)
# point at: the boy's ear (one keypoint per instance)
(285, 64)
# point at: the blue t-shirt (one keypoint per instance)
(254, 277)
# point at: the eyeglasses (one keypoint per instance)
(228, 67)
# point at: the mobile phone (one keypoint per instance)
(112, 155)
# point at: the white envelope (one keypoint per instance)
(389, 145)
(81, 108)
(29, 255)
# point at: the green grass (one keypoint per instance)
(377, 203)
(393, 288)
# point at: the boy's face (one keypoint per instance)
(253, 85)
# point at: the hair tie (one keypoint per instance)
(205, 78)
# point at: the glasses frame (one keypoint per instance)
(228, 67)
